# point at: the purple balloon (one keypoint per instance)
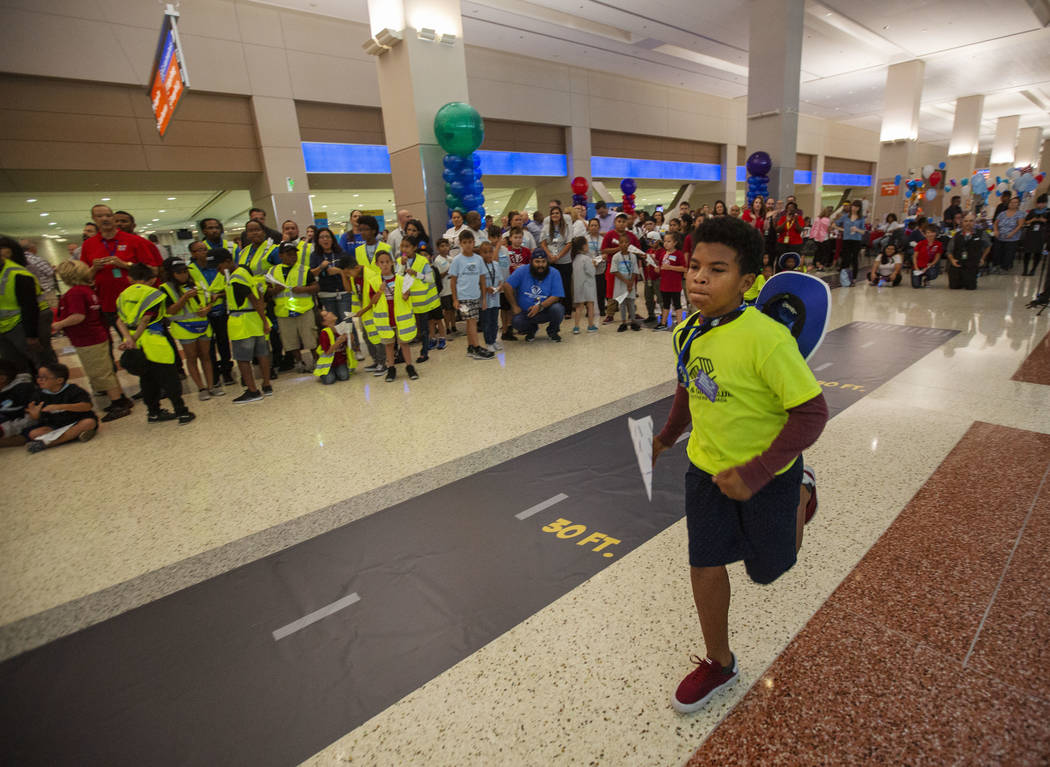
(627, 186)
(759, 163)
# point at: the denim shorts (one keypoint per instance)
(760, 531)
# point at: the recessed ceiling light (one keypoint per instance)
(161, 211)
(45, 214)
(357, 195)
(53, 223)
(324, 206)
(171, 198)
(31, 199)
(106, 199)
(156, 219)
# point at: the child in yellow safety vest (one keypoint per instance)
(423, 294)
(386, 313)
(333, 363)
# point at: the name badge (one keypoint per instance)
(706, 385)
(117, 273)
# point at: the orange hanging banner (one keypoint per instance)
(169, 73)
(888, 189)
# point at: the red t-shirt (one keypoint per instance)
(109, 282)
(756, 221)
(520, 257)
(925, 253)
(792, 234)
(80, 299)
(671, 282)
(326, 344)
(389, 284)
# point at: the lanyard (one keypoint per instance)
(492, 274)
(696, 332)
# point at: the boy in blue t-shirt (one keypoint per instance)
(755, 406)
(467, 278)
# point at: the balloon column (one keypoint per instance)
(1024, 180)
(758, 166)
(627, 186)
(579, 191)
(460, 131)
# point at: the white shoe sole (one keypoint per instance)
(690, 708)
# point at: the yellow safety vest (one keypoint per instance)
(209, 291)
(255, 258)
(324, 361)
(187, 324)
(10, 312)
(244, 321)
(303, 249)
(423, 294)
(377, 320)
(370, 272)
(132, 303)
(224, 244)
(287, 303)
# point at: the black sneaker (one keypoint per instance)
(227, 380)
(470, 352)
(185, 418)
(555, 337)
(379, 370)
(412, 372)
(248, 396)
(267, 390)
(115, 413)
(509, 336)
(161, 415)
(422, 358)
(635, 326)
(273, 374)
(530, 337)
(481, 353)
(391, 374)
(399, 358)
(373, 367)
(623, 327)
(137, 395)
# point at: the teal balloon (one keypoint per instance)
(459, 128)
(452, 201)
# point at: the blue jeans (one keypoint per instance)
(336, 372)
(337, 305)
(490, 324)
(423, 333)
(553, 314)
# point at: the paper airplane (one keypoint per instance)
(642, 437)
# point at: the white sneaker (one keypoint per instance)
(491, 347)
(498, 346)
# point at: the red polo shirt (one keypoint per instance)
(110, 281)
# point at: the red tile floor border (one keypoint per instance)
(1036, 366)
(936, 648)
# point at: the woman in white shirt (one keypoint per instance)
(556, 242)
(886, 269)
(452, 235)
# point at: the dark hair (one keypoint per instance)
(494, 231)
(411, 238)
(255, 210)
(140, 272)
(891, 217)
(442, 241)
(466, 234)
(601, 204)
(170, 266)
(725, 210)
(8, 370)
(203, 221)
(18, 253)
(580, 245)
(202, 243)
(556, 201)
(537, 217)
(257, 223)
(369, 221)
(739, 236)
(423, 236)
(1042, 198)
(91, 223)
(679, 238)
(288, 220)
(336, 249)
(124, 213)
(218, 256)
(57, 369)
(686, 221)
(563, 229)
(619, 216)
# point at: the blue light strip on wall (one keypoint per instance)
(623, 167)
(321, 157)
(522, 163)
(803, 177)
(846, 179)
(345, 158)
(741, 174)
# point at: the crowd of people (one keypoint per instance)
(270, 302)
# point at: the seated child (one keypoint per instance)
(61, 411)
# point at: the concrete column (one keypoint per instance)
(578, 151)
(1029, 144)
(813, 205)
(728, 163)
(775, 51)
(962, 150)
(416, 78)
(282, 191)
(1004, 146)
(900, 131)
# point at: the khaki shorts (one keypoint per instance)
(298, 332)
(98, 366)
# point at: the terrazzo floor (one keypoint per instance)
(587, 680)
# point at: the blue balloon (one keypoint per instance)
(897, 179)
(942, 165)
(761, 178)
(470, 202)
(759, 163)
(907, 193)
(477, 177)
(476, 162)
(453, 162)
(449, 175)
(627, 186)
(481, 211)
(457, 188)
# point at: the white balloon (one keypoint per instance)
(927, 170)
(1013, 173)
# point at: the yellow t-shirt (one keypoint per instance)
(752, 293)
(760, 376)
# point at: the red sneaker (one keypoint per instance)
(700, 684)
(809, 480)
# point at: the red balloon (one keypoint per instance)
(1040, 177)
(935, 178)
(579, 185)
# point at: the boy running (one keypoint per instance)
(755, 406)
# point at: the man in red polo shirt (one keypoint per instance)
(110, 254)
